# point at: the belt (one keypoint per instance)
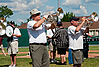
(38, 44)
(77, 50)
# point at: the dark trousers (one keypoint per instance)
(86, 49)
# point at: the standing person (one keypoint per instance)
(50, 33)
(61, 36)
(86, 45)
(75, 33)
(13, 44)
(61, 14)
(1, 46)
(37, 39)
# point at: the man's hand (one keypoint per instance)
(46, 16)
(83, 19)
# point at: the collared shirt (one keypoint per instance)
(50, 33)
(75, 39)
(16, 32)
(37, 35)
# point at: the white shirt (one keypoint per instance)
(37, 35)
(94, 18)
(50, 33)
(75, 39)
(16, 32)
(60, 16)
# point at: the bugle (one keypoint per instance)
(89, 21)
(52, 18)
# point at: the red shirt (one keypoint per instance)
(1, 40)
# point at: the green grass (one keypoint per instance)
(27, 62)
(93, 47)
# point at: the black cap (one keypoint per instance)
(12, 22)
(74, 18)
(59, 23)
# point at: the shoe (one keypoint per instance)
(65, 63)
(14, 65)
(52, 61)
(55, 61)
(10, 66)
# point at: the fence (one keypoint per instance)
(23, 40)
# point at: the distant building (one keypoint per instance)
(93, 30)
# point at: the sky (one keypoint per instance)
(22, 8)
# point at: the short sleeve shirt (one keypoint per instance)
(16, 32)
(50, 33)
(37, 35)
(75, 39)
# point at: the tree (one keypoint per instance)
(28, 20)
(67, 17)
(5, 12)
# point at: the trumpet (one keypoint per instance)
(89, 21)
(52, 18)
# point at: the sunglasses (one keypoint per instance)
(37, 14)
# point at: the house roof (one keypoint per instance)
(95, 25)
(23, 26)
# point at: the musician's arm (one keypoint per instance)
(52, 26)
(16, 35)
(89, 35)
(48, 36)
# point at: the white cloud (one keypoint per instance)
(71, 2)
(96, 4)
(92, 1)
(81, 11)
(23, 5)
(49, 8)
(24, 12)
(50, 12)
(35, 3)
(19, 20)
(89, 0)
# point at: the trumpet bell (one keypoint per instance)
(9, 31)
(2, 29)
(51, 19)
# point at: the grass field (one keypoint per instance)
(27, 62)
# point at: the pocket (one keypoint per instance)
(33, 47)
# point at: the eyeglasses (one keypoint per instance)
(37, 14)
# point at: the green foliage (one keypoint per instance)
(4, 27)
(67, 17)
(5, 12)
(8, 22)
(28, 20)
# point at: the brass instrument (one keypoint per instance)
(89, 21)
(52, 18)
(2, 29)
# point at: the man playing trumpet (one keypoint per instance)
(37, 39)
(75, 33)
